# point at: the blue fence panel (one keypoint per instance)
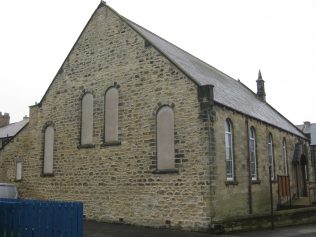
(32, 218)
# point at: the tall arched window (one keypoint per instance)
(253, 155)
(165, 139)
(87, 119)
(271, 156)
(111, 115)
(229, 150)
(48, 150)
(284, 157)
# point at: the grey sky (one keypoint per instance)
(237, 37)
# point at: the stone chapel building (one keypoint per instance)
(144, 133)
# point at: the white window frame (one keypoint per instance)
(271, 156)
(229, 155)
(253, 154)
(284, 157)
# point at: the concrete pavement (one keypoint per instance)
(96, 229)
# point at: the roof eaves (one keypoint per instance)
(262, 121)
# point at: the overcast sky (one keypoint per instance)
(237, 37)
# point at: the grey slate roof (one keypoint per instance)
(13, 128)
(227, 91)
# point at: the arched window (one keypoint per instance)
(284, 157)
(87, 119)
(229, 150)
(111, 115)
(271, 156)
(253, 155)
(48, 150)
(165, 139)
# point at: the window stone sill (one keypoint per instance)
(166, 171)
(111, 143)
(231, 182)
(84, 146)
(47, 175)
(257, 181)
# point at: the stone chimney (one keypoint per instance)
(307, 123)
(4, 119)
(260, 88)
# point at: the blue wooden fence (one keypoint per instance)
(32, 218)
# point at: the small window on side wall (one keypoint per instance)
(229, 150)
(271, 156)
(111, 116)
(253, 155)
(18, 173)
(48, 150)
(165, 139)
(87, 120)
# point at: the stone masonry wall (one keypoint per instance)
(236, 194)
(117, 183)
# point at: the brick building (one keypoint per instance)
(144, 133)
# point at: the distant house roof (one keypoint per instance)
(309, 129)
(12, 129)
(227, 91)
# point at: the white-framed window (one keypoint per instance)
(271, 156)
(165, 138)
(284, 157)
(111, 115)
(18, 173)
(229, 150)
(48, 151)
(253, 155)
(87, 119)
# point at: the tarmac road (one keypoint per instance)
(96, 229)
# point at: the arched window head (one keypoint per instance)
(111, 115)
(284, 157)
(229, 150)
(271, 156)
(87, 119)
(49, 150)
(165, 139)
(252, 153)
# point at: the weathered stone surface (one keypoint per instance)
(118, 182)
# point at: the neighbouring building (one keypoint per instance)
(9, 130)
(144, 133)
(309, 129)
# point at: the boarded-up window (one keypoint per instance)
(165, 138)
(49, 150)
(18, 174)
(111, 115)
(87, 119)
